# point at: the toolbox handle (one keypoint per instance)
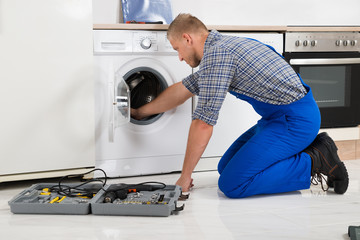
(178, 209)
(183, 197)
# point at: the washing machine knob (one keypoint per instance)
(145, 43)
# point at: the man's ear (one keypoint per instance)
(188, 38)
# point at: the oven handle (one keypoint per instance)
(324, 61)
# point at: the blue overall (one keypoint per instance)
(268, 157)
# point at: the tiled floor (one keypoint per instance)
(307, 214)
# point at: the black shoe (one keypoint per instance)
(323, 153)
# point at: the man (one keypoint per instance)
(279, 153)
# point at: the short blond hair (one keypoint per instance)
(185, 23)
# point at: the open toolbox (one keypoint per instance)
(47, 198)
(123, 199)
(99, 199)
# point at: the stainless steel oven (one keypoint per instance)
(329, 62)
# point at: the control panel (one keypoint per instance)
(273, 39)
(132, 41)
(149, 41)
(322, 42)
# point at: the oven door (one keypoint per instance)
(335, 81)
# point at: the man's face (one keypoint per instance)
(186, 50)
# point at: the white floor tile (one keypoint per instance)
(208, 214)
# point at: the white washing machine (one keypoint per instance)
(142, 63)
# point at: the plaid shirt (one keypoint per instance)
(245, 66)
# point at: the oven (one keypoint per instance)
(329, 62)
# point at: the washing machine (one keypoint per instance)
(132, 68)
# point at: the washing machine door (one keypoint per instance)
(120, 105)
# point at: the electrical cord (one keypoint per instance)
(77, 190)
(80, 191)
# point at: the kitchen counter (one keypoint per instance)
(237, 28)
(210, 27)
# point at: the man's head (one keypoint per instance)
(187, 34)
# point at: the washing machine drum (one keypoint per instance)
(144, 87)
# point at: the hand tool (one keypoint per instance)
(121, 191)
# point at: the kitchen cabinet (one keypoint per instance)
(46, 94)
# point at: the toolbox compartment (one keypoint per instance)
(31, 201)
(161, 202)
(36, 200)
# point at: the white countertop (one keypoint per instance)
(247, 28)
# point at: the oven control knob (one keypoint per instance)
(305, 43)
(353, 42)
(298, 43)
(347, 43)
(313, 43)
(338, 43)
(145, 43)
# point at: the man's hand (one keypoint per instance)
(185, 183)
(135, 114)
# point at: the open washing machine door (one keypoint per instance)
(120, 105)
(145, 85)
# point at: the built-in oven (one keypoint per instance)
(329, 62)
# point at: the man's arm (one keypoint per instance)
(171, 97)
(199, 133)
(199, 136)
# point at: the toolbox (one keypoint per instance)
(39, 199)
(99, 199)
(160, 202)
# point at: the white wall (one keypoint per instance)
(251, 12)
